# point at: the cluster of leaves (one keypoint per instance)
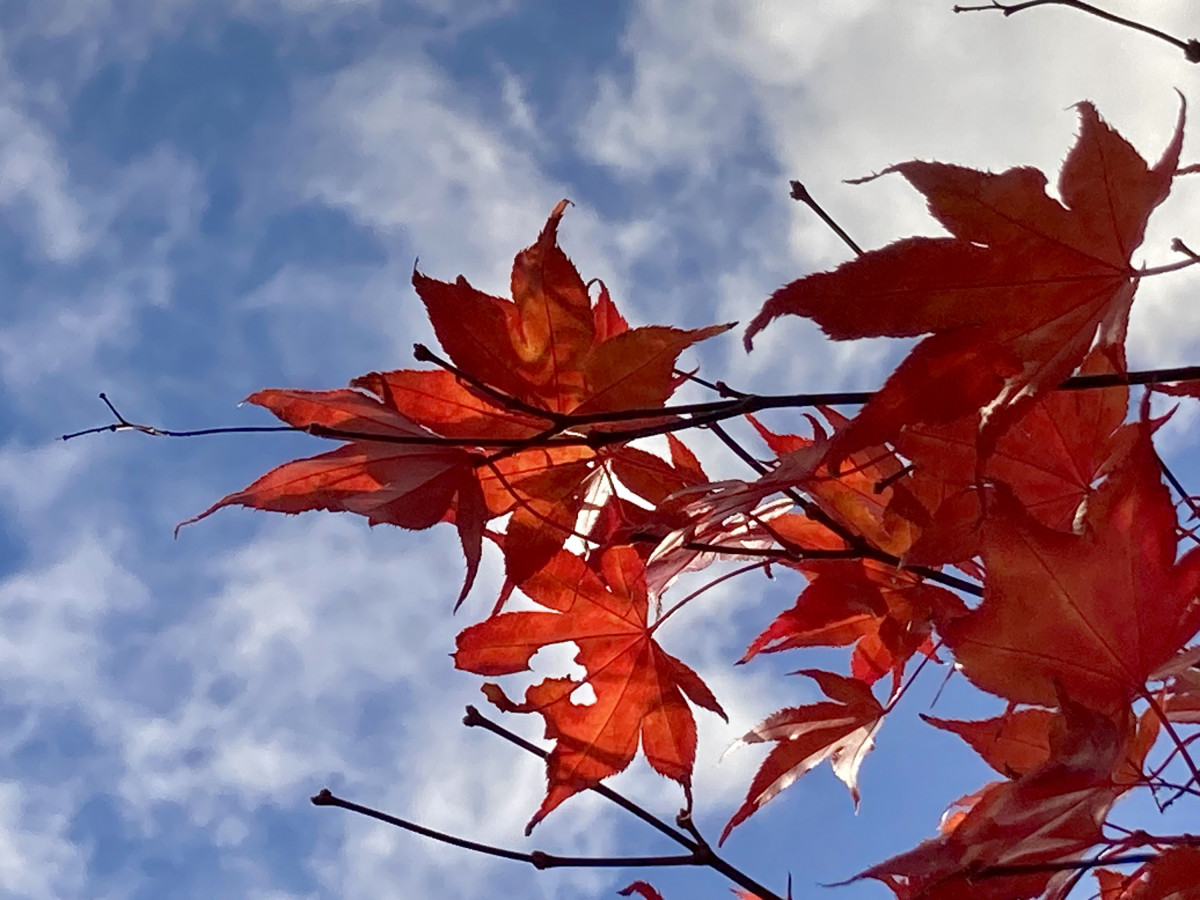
(1071, 606)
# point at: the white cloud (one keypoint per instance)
(846, 90)
(38, 860)
(60, 332)
(50, 642)
(36, 194)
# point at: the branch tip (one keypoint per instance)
(323, 797)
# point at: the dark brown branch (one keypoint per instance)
(1066, 865)
(861, 548)
(697, 415)
(475, 719)
(699, 849)
(800, 192)
(421, 353)
(1190, 48)
(536, 858)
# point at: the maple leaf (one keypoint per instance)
(1171, 876)
(1050, 813)
(1014, 298)
(1013, 744)
(841, 730)
(640, 689)
(1051, 459)
(1092, 613)
(887, 614)
(413, 485)
(642, 889)
(548, 347)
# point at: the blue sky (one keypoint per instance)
(199, 199)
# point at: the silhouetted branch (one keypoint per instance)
(860, 546)
(800, 192)
(536, 858)
(694, 415)
(701, 852)
(1190, 48)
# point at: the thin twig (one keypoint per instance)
(536, 858)
(800, 192)
(702, 853)
(1179, 488)
(1066, 865)
(695, 415)
(1190, 48)
(423, 354)
(1169, 728)
(865, 550)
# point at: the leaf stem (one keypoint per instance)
(700, 590)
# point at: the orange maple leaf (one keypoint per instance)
(413, 485)
(887, 614)
(550, 349)
(640, 688)
(1013, 300)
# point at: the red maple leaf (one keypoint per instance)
(841, 729)
(529, 361)
(413, 485)
(640, 688)
(1171, 876)
(643, 889)
(1051, 459)
(1050, 813)
(1012, 301)
(1094, 612)
(549, 347)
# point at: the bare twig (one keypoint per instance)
(702, 854)
(1169, 728)
(692, 415)
(536, 858)
(800, 192)
(864, 550)
(1190, 48)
